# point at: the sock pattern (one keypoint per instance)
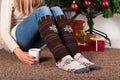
(67, 35)
(49, 33)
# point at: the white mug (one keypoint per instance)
(35, 52)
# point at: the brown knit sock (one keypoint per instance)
(49, 33)
(67, 35)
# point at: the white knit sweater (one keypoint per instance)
(10, 18)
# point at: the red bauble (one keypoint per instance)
(105, 4)
(74, 6)
(87, 3)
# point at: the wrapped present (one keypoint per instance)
(86, 41)
(89, 36)
(84, 47)
(78, 27)
(99, 44)
(95, 45)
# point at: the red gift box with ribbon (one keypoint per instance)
(94, 45)
(99, 44)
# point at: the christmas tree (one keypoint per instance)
(89, 8)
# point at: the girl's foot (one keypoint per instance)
(67, 63)
(81, 59)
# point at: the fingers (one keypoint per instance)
(29, 62)
(29, 59)
(25, 57)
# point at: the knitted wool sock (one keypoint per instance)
(67, 35)
(68, 39)
(81, 59)
(50, 35)
(67, 63)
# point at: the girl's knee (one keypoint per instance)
(56, 11)
(56, 7)
(44, 9)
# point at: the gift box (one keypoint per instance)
(78, 27)
(98, 44)
(94, 45)
(86, 41)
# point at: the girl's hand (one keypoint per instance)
(24, 56)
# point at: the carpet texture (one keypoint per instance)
(12, 69)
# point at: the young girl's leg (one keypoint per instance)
(50, 34)
(28, 29)
(27, 33)
(66, 34)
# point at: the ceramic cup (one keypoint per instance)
(35, 52)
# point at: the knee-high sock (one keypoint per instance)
(67, 35)
(49, 33)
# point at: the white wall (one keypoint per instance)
(111, 26)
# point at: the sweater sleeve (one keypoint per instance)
(6, 14)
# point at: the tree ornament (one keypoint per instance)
(87, 3)
(105, 4)
(74, 6)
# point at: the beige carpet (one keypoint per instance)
(12, 69)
